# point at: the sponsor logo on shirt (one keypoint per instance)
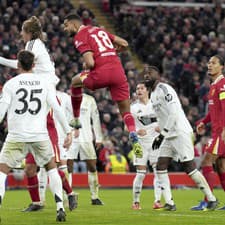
(77, 43)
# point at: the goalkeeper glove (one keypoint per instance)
(75, 123)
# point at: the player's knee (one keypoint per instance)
(30, 170)
(163, 163)
(220, 165)
(70, 166)
(189, 166)
(91, 168)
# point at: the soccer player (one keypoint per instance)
(83, 144)
(26, 98)
(146, 124)
(65, 102)
(215, 151)
(32, 36)
(174, 139)
(102, 68)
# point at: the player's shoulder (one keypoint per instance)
(163, 87)
(135, 105)
(135, 102)
(221, 82)
(34, 44)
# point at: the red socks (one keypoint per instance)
(209, 175)
(76, 99)
(65, 183)
(32, 186)
(128, 119)
(222, 180)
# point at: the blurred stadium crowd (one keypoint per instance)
(177, 40)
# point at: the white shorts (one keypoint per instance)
(86, 150)
(148, 154)
(180, 147)
(13, 153)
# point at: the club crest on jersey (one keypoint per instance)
(77, 43)
(168, 97)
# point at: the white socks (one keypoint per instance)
(55, 185)
(43, 181)
(202, 184)
(93, 184)
(164, 183)
(2, 184)
(137, 185)
(156, 184)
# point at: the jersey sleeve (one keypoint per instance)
(6, 95)
(96, 121)
(222, 100)
(82, 44)
(5, 100)
(169, 99)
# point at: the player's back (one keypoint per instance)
(27, 95)
(43, 63)
(99, 42)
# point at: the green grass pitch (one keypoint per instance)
(116, 211)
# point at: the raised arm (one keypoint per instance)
(12, 63)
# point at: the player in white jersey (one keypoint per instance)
(175, 138)
(32, 36)
(146, 124)
(84, 146)
(26, 98)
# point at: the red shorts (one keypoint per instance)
(30, 159)
(216, 146)
(114, 79)
(54, 140)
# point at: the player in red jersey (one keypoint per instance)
(102, 68)
(215, 151)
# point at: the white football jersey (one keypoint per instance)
(89, 119)
(165, 103)
(29, 97)
(145, 118)
(43, 63)
(65, 103)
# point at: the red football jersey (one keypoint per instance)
(216, 100)
(98, 41)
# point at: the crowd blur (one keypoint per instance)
(179, 43)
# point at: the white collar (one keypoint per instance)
(80, 28)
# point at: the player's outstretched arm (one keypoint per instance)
(12, 63)
(120, 43)
(88, 61)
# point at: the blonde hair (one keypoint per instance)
(33, 26)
